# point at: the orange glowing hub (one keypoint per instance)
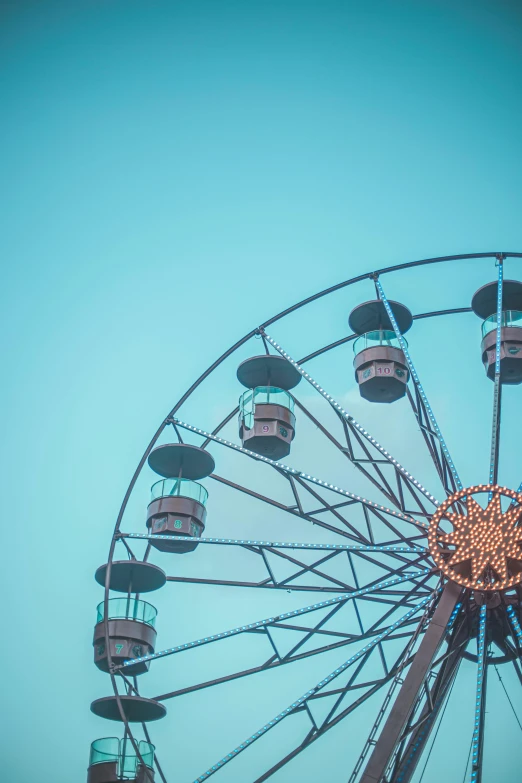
(479, 544)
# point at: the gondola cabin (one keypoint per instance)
(178, 502)
(484, 304)
(381, 369)
(266, 409)
(131, 621)
(131, 633)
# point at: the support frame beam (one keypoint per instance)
(401, 711)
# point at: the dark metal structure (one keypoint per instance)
(441, 573)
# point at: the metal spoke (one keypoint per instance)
(243, 542)
(313, 515)
(357, 612)
(515, 624)
(416, 380)
(299, 703)
(497, 393)
(480, 701)
(344, 692)
(262, 624)
(430, 438)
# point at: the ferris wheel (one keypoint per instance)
(432, 577)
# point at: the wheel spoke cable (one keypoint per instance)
(437, 731)
(508, 698)
(467, 762)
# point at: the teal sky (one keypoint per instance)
(174, 173)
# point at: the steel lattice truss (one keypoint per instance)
(422, 626)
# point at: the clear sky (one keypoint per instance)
(173, 173)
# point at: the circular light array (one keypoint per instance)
(484, 549)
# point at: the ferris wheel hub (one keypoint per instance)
(479, 545)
